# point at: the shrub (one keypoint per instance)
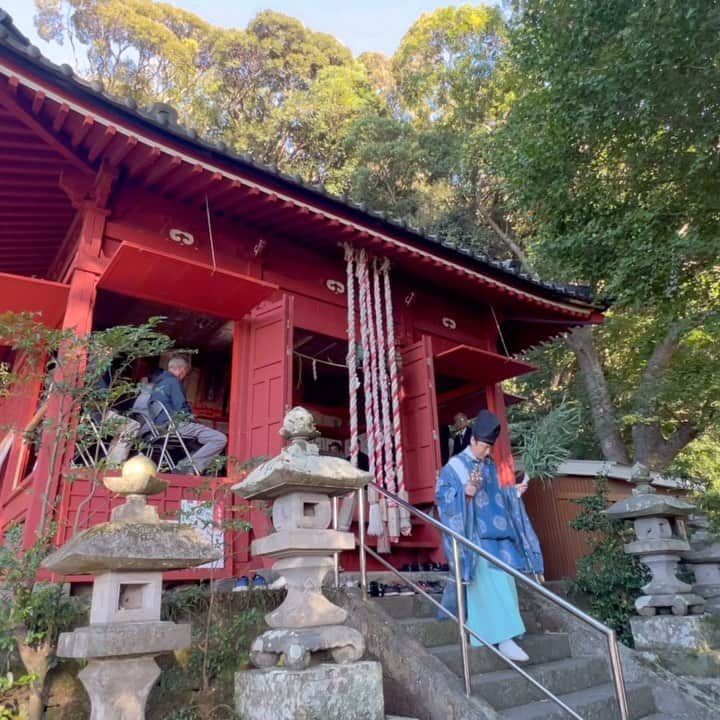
(608, 575)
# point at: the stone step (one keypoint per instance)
(408, 606)
(429, 631)
(405, 607)
(506, 688)
(594, 703)
(398, 717)
(541, 649)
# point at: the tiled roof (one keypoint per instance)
(164, 118)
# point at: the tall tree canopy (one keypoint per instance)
(609, 156)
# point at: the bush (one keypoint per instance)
(608, 575)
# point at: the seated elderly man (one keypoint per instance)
(169, 390)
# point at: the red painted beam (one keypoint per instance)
(100, 145)
(122, 148)
(163, 167)
(82, 131)
(203, 184)
(147, 160)
(181, 176)
(38, 102)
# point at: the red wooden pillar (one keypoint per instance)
(53, 454)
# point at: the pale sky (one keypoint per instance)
(360, 24)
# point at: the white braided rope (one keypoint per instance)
(374, 389)
(374, 522)
(393, 516)
(353, 380)
(405, 522)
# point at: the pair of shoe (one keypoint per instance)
(512, 651)
(433, 587)
(398, 589)
(245, 583)
(376, 589)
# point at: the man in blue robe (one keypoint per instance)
(472, 502)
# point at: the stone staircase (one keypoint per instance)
(582, 682)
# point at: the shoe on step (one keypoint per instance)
(512, 651)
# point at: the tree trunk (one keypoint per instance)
(582, 343)
(37, 662)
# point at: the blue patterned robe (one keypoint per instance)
(495, 519)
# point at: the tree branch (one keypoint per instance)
(514, 248)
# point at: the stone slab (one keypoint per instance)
(132, 546)
(322, 692)
(661, 632)
(289, 543)
(123, 639)
(647, 505)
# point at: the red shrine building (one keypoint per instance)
(110, 214)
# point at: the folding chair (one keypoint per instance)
(90, 446)
(164, 441)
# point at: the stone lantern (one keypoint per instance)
(301, 483)
(127, 556)
(659, 523)
(703, 557)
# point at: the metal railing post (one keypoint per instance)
(336, 556)
(461, 617)
(617, 674)
(361, 534)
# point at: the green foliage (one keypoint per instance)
(221, 633)
(42, 609)
(544, 443)
(446, 60)
(610, 577)
(610, 147)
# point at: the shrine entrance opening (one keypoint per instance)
(209, 340)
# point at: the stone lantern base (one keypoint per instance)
(322, 692)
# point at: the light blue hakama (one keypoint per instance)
(492, 605)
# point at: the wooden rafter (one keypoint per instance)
(14, 107)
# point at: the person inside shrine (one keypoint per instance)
(461, 433)
(168, 389)
(472, 502)
(335, 449)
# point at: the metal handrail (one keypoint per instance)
(615, 663)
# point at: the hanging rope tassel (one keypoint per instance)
(393, 515)
(374, 521)
(383, 543)
(347, 506)
(404, 515)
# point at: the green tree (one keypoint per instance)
(449, 81)
(148, 51)
(608, 158)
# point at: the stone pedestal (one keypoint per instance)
(119, 689)
(687, 645)
(322, 692)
